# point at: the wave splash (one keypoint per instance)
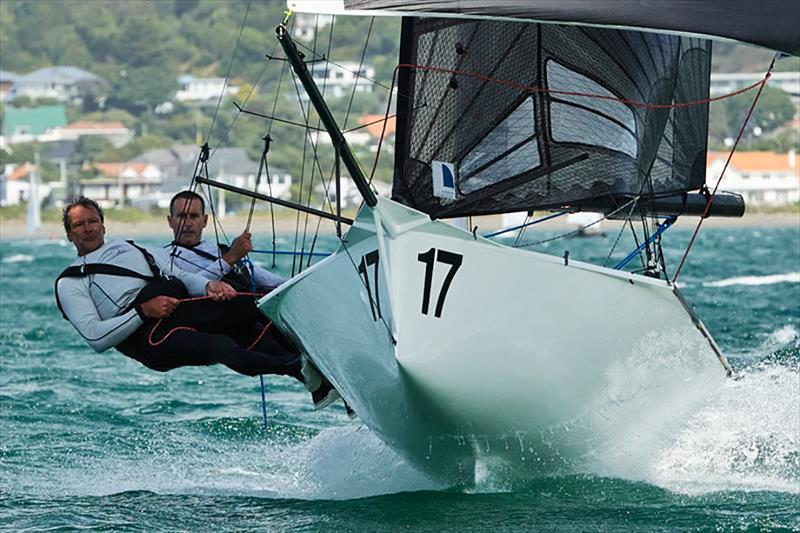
(789, 277)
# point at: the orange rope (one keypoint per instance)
(187, 328)
(537, 89)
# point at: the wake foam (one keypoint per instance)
(746, 437)
(789, 277)
(338, 463)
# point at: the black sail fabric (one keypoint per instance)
(533, 115)
(770, 24)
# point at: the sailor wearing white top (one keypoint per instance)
(100, 306)
(190, 252)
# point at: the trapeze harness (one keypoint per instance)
(239, 276)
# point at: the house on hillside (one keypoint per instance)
(115, 132)
(229, 165)
(306, 25)
(62, 83)
(26, 124)
(337, 80)
(7, 80)
(762, 178)
(202, 90)
(119, 183)
(15, 184)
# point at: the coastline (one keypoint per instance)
(17, 229)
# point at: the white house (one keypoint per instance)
(762, 178)
(15, 184)
(115, 132)
(62, 83)
(120, 183)
(199, 90)
(726, 83)
(337, 80)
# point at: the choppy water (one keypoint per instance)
(94, 441)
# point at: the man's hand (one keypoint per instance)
(220, 291)
(240, 247)
(159, 307)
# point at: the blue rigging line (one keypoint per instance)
(506, 230)
(664, 226)
(280, 252)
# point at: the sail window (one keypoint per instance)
(586, 120)
(508, 150)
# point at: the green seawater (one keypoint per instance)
(96, 442)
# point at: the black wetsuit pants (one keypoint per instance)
(205, 333)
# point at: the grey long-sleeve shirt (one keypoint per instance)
(211, 269)
(97, 305)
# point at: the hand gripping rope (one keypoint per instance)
(187, 328)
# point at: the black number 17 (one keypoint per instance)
(442, 256)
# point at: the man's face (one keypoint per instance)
(86, 230)
(187, 221)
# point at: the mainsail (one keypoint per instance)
(539, 115)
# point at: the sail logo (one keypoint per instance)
(443, 176)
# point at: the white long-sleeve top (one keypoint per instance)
(97, 305)
(183, 258)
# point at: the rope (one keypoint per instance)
(762, 83)
(542, 90)
(187, 328)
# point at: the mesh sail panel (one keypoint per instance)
(467, 101)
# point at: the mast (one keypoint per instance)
(349, 159)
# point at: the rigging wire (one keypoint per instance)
(230, 66)
(762, 84)
(344, 126)
(316, 145)
(582, 228)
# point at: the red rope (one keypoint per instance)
(537, 89)
(187, 328)
(763, 82)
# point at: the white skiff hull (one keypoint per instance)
(470, 348)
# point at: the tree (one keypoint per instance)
(140, 89)
(773, 109)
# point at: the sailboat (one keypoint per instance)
(454, 348)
